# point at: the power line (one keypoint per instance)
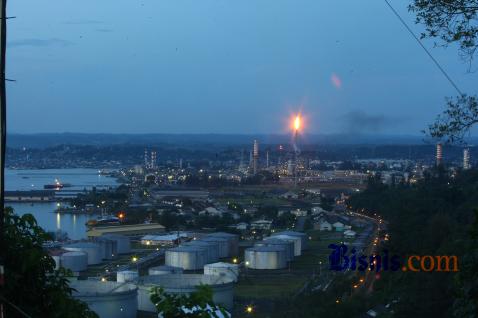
(424, 48)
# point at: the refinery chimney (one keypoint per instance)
(255, 156)
(146, 160)
(153, 159)
(466, 159)
(439, 154)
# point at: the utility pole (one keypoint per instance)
(3, 132)
(3, 104)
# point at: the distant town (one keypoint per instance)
(257, 217)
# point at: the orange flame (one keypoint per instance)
(297, 123)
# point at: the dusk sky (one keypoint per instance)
(212, 66)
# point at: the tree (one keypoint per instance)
(31, 282)
(452, 21)
(457, 120)
(197, 304)
(466, 302)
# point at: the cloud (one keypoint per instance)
(358, 121)
(39, 42)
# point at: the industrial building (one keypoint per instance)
(163, 240)
(135, 229)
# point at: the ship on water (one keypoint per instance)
(106, 220)
(57, 185)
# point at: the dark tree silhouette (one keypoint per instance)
(452, 22)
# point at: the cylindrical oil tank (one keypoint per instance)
(74, 261)
(222, 242)
(233, 241)
(164, 269)
(265, 257)
(107, 299)
(123, 243)
(302, 236)
(94, 251)
(212, 249)
(56, 258)
(296, 239)
(126, 276)
(186, 257)
(227, 270)
(287, 245)
(56, 255)
(222, 288)
(109, 246)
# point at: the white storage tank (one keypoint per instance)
(123, 243)
(94, 251)
(222, 288)
(74, 261)
(288, 246)
(164, 269)
(302, 236)
(233, 241)
(109, 246)
(186, 257)
(228, 270)
(56, 255)
(126, 276)
(295, 239)
(107, 299)
(212, 249)
(265, 257)
(222, 242)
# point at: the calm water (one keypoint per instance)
(80, 179)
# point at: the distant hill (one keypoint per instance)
(191, 140)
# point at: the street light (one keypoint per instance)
(249, 309)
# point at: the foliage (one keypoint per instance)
(457, 120)
(197, 304)
(31, 281)
(429, 218)
(450, 21)
(466, 303)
